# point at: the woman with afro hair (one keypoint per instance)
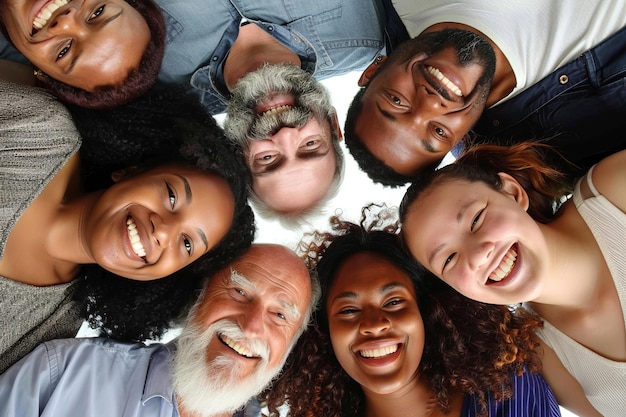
(157, 198)
(388, 342)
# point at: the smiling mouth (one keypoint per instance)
(237, 347)
(449, 85)
(45, 14)
(505, 267)
(276, 110)
(135, 241)
(379, 352)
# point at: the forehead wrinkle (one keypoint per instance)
(238, 279)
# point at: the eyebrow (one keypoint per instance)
(306, 156)
(385, 288)
(238, 279)
(70, 68)
(459, 217)
(189, 198)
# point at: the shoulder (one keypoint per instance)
(609, 177)
(30, 115)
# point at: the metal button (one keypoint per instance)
(563, 79)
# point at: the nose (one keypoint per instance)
(163, 230)
(480, 254)
(286, 138)
(251, 321)
(66, 22)
(431, 104)
(373, 321)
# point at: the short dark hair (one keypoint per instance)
(138, 81)
(162, 126)
(372, 166)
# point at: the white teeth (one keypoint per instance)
(505, 267)
(46, 13)
(379, 352)
(237, 347)
(276, 110)
(444, 80)
(133, 236)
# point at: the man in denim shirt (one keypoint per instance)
(208, 45)
(510, 70)
(235, 341)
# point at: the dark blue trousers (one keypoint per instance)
(580, 108)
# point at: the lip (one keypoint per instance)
(273, 101)
(234, 352)
(512, 275)
(126, 244)
(37, 8)
(433, 82)
(382, 360)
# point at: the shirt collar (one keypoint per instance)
(159, 379)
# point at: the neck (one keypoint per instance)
(504, 80)
(65, 240)
(253, 48)
(418, 400)
(573, 252)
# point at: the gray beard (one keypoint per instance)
(206, 389)
(243, 124)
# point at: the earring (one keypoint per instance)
(38, 74)
(378, 59)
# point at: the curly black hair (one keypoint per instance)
(470, 347)
(163, 126)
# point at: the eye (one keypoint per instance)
(448, 260)
(439, 131)
(476, 219)
(348, 310)
(265, 158)
(171, 194)
(394, 302)
(187, 244)
(311, 144)
(97, 12)
(64, 51)
(281, 316)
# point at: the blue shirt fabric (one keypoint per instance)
(91, 377)
(532, 397)
(331, 37)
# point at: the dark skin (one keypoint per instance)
(416, 113)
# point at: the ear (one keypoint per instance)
(125, 173)
(369, 72)
(514, 189)
(334, 124)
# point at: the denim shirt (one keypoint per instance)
(94, 377)
(331, 37)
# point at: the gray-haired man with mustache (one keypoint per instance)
(235, 341)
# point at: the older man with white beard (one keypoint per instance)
(283, 121)
(235, 341)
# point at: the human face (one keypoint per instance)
(478, 240)
(294, 168)
(282, 119)
(153, 224)
(376, 329)
(425, 99)
(82, 43)
(266, 294)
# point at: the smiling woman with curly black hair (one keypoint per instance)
(389, 342)
(177, 212)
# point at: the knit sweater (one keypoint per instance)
(37, 138)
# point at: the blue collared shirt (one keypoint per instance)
(90, 377)
(331, 37)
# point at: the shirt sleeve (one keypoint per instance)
(25, 388)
